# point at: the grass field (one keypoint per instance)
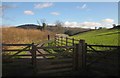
(101, 37)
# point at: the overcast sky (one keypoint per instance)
(72, 14)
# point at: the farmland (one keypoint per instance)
(101, 37)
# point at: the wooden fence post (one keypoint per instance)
(82, 54)
(73, 42)
(34, 60)
(66, 41)
(61, 40)
(58, 40)
(79, 56)
(48, 39)
(55, 40)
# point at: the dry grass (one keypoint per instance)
(17, 35)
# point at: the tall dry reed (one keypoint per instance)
(18, 35)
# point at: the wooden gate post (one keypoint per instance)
(75, 57)
(79, 56)
(34, 60)
(82, 54)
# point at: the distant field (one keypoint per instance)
(101, 37)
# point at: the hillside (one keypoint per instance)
(102, 36)
(56, 29)
(67, 30)
(28, 26)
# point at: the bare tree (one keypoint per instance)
(39, 27)
(59, 23)
(59, 27)
(43, 21)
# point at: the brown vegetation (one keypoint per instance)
(17, 35)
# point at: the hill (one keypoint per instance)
(56, 29)
(102, 37)
(28, 26)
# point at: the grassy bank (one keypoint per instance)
(101, 37)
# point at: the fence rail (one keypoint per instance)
(16, 44)
(110, 46)
(14, 50)
(52, 47)
(65, 41)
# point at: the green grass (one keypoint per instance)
(101, 37)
